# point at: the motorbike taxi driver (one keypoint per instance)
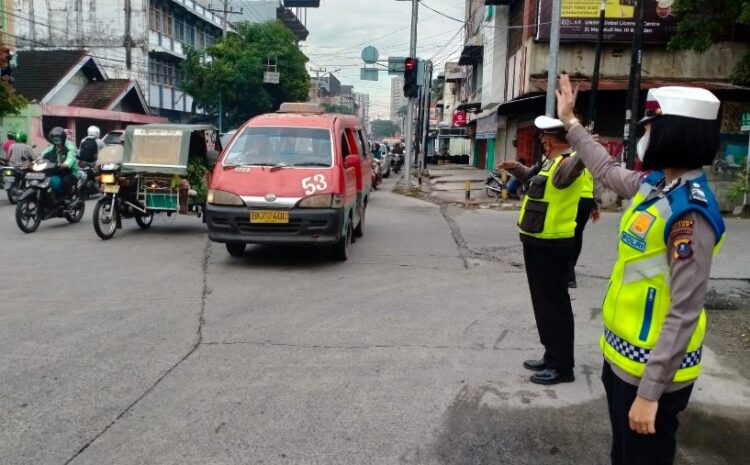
(63, 152)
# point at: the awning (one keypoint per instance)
(471, 54)
(469, 106)
(533, 104)
(622, 84)
(487, 122)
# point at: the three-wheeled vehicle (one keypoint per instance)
(163, 170)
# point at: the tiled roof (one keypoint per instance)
(39, 71)
(100, 94)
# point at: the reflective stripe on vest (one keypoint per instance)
(638, 299)
(548, 212)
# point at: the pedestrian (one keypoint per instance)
(587, 208)
(9, 143)
(654, 322)
(547, 225)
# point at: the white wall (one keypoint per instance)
(70, 90)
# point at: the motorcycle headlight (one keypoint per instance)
(110, 167)
(107, 178)
(217, 197)
(8, 173)
(322, 201)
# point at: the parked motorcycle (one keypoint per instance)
(13, 182)
(494, 186)
(39, 202)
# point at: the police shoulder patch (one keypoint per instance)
(682, 248)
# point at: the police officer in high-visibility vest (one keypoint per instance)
(547, 224)
(654, 322)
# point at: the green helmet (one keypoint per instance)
(21, 137)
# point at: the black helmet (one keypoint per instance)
(57, 136)
(12, 135)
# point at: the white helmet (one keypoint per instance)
(94, 132)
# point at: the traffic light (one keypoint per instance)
(411, 88)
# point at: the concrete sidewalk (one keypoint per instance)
(447, 185)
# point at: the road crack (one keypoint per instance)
(196, 344)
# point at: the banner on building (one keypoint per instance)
(487, 126)
(580, 21)
(434, 114)
(459, 118)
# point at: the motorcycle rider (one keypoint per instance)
(20, 153)
(90, 145)
(9, 143)
(63, 152)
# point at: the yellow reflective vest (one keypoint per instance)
(548, 212)
(639, 299)
(587, 192)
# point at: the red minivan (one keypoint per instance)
(298, 176)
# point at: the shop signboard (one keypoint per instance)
(745, 122)
(487, 126)
(459, 118)
(580, 21)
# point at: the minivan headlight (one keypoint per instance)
(217, 197)
(322, 201)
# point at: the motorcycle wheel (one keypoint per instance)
(144, 222)
(28, 216)
(76, 214)
(105, 221)
(492, 193)
(14, 193)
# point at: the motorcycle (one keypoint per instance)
(119, 191)
(88, 185)
(39, 202)
(13, 182)
(494, 186)
(397, 162)
(377, 176)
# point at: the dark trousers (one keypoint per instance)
(629, 447)
(585, 207)
(547, 272)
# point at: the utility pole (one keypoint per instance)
(409, 132)
(554, 52)
(317, 72)
(597, 61)
(225, 10)
(426, 123)
(634, 87)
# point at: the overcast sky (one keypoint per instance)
(340, 29)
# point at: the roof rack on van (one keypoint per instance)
(300, 107)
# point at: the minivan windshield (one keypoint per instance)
(281, 146)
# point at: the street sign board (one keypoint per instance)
(745, 122)
(370, 55)
(271, 77)
(396, 65)
(368, 74)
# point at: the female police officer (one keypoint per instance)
(654, 321)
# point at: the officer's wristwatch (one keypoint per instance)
(570, 123)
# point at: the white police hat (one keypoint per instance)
(545, 123)
(690, 102)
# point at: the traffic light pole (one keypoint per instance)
(410, 106)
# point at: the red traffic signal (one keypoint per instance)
(411, 87)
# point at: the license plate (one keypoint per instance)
(269, 216)
(111, 188)
(35, 176)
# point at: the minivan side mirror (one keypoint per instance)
(212, 156)
(351, 161)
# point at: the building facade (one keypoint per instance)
(398, 101)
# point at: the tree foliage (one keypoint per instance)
(340, 109)
(704, 22)
(233, 72)
(383, 128)
(10, 101)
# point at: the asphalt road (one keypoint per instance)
(158, 348)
